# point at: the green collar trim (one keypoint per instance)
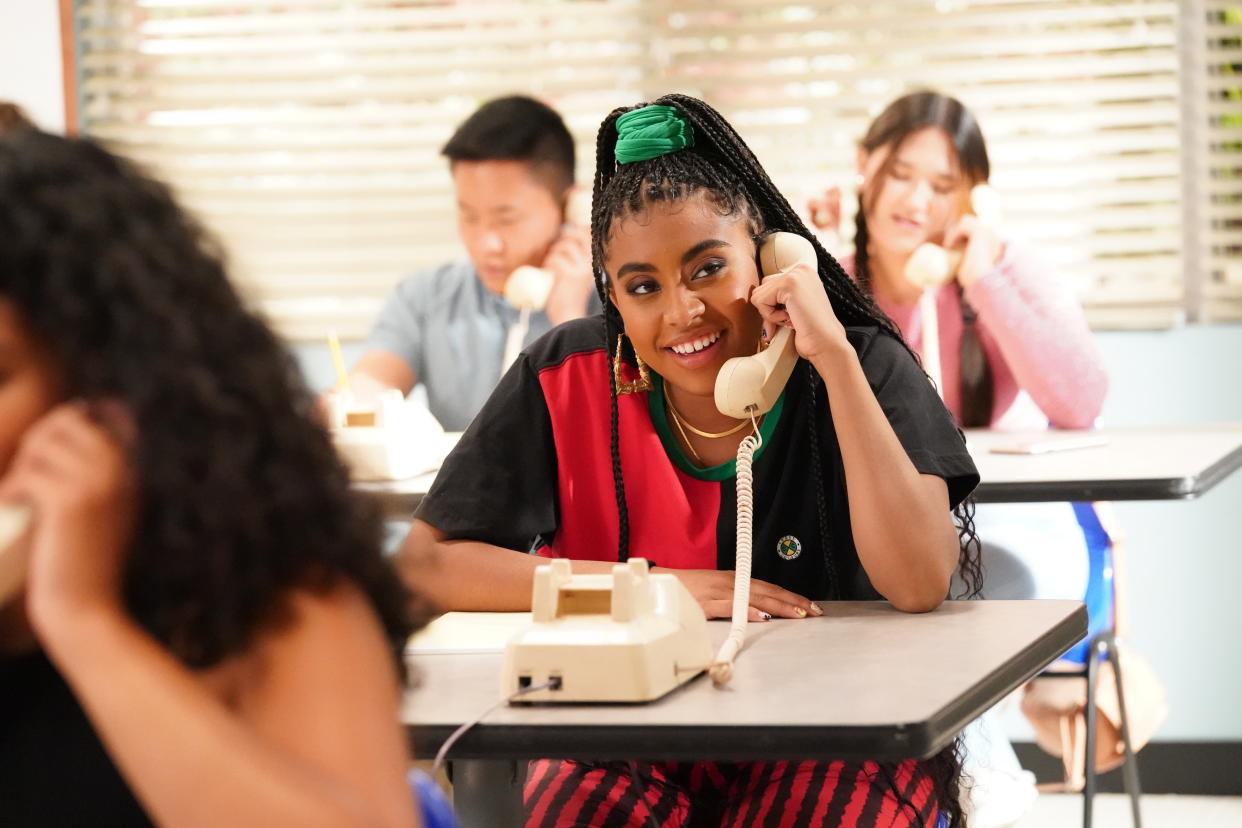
(724, 471)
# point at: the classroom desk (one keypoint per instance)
(397, 499)
(1139, 463)
(862, 681)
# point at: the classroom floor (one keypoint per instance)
(1113, 811)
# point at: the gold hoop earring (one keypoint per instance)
(643, 383)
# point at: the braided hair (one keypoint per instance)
(730, 177)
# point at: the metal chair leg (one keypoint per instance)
(1130, 768)
(1093, 674)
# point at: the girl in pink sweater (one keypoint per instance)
(1014, 348)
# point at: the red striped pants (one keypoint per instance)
(573, 794)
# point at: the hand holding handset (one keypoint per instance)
(526, 289)
(749, 387)
(14, 549)
(931, 266)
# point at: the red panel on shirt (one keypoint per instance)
(672, 515)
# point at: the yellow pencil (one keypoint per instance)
(334, 345)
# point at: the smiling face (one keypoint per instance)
(912, 196)
(505, 216)
(680, 275)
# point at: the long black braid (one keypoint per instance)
(724, 168)
(969, 562)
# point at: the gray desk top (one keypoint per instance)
(863, 681)
(1141, 463)
(1148, 463)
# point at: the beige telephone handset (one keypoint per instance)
(752, 384)
(931, 266)
(14, 549)
(526, 289)
(632, 635)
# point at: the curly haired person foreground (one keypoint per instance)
(208, 633)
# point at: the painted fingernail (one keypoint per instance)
(816, 609)
(765, 616)
(801, 612)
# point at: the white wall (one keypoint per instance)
(30, 63)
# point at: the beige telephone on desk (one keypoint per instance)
(931, 266)
(634, 636)
(14, 549)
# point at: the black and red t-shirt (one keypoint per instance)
(535, 468)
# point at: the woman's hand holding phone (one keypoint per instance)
(981, 247)
(713, 589)
(796, 298)
(569, 262)
(73, 469)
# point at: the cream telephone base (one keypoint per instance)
(384, 438)
(626, 637)
(14, 550)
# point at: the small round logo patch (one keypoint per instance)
(789, 547)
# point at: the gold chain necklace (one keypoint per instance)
(682, 425)
(685, 438)
(681, 420)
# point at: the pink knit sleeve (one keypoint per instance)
(1031, 312)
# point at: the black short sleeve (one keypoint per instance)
(498, 485)
(918, 416)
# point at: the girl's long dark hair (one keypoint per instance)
(723, 167)
(242, 496)
(900, 119)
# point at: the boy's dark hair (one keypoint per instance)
(721, 166)
(241, 494)
(518, 128)
(13, 118)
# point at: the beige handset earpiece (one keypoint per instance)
(14, 548)
(752, 384)
(931, 266)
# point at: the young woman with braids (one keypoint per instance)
(603, 442)
(1015, 353)
(207, 633)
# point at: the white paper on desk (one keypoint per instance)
(455, 633)
(1051, 444)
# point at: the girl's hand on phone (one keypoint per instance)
(74, 470)
(569, 262)
(796, 299)
(983, 248)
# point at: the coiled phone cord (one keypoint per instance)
(722, 668)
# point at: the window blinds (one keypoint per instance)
(306, 132)
(1221, 187)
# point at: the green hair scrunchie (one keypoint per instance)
(643, 134)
